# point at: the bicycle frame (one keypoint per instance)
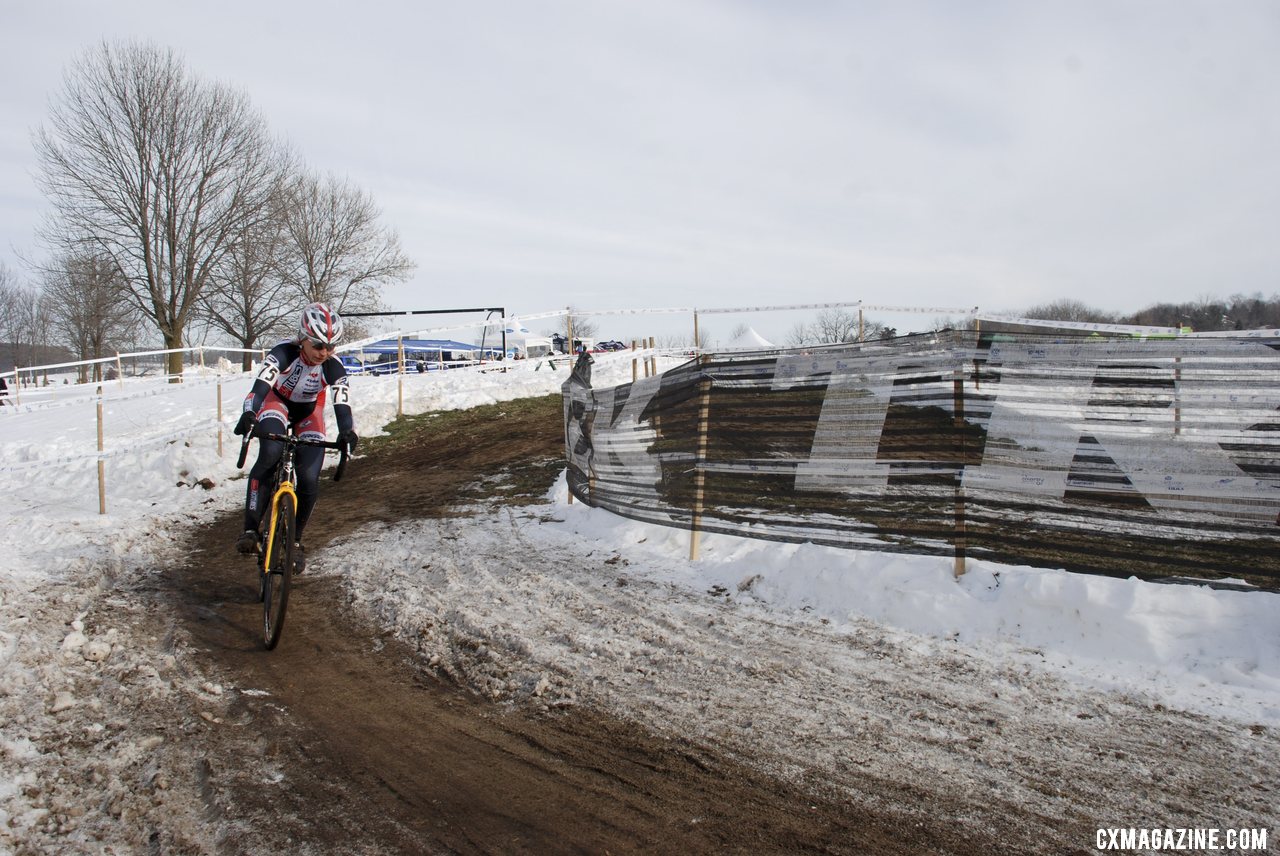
(286, 487)
(287, 477)
(275, 581)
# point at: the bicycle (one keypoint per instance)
(276, 528)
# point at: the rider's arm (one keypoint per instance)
(342, 409)
(335, 375)
(267, 375)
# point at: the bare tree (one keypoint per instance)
(83, 298)
(24, 321)
(157, 171)
(949, 322)
(581, 326)
(248, 300)
(334, 249)
(798, 335)
(837, 325)
(8, 295)
(1069, 310)
(681, 341)
(703, 340)
(831, 326)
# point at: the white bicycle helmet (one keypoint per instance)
(320, 323)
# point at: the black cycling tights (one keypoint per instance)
(310, 462)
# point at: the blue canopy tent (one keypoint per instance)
(422, 354)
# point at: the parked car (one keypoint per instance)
(386, 364)
(351, 363)
(390, 364)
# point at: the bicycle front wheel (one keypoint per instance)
(279, 573)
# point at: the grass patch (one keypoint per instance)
(512, 451)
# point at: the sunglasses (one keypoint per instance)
(320, 346)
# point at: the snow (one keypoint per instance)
(565, 603)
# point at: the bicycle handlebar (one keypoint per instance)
(341, 448)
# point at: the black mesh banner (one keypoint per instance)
(1153, 457)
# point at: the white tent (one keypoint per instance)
(515, 328)
(749, 338)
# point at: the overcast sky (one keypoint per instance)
(601, 154)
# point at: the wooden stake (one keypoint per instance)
(572, 356)
(219, 415)
(958, 424)
(102, 468)
(1177, 396)
(700, 476)
(400, 366)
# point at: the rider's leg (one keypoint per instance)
(310, 462)
(269, 452)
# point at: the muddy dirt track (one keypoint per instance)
(377, 754)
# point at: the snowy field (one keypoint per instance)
(568, 604)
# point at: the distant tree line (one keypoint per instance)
(832, 326)
(1238, 312)
(176, 214)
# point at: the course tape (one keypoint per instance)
(1079, 325)
(150, 442)
(492, 322)
(103, 360)
(669, 310)
(857, 304)
(112, 395)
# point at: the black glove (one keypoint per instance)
(247, 420)
(350, 439)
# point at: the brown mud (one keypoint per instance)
(342, 741)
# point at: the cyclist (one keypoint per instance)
(290, 388)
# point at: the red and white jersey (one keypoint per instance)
(296, 387)
(286, 373)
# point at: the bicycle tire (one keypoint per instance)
(264, 529)
(278, 577)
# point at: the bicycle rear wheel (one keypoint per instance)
(279, 574)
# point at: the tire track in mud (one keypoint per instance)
(340, 741)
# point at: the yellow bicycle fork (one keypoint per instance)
(287, 487)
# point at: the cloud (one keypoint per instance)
(1001, 153)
